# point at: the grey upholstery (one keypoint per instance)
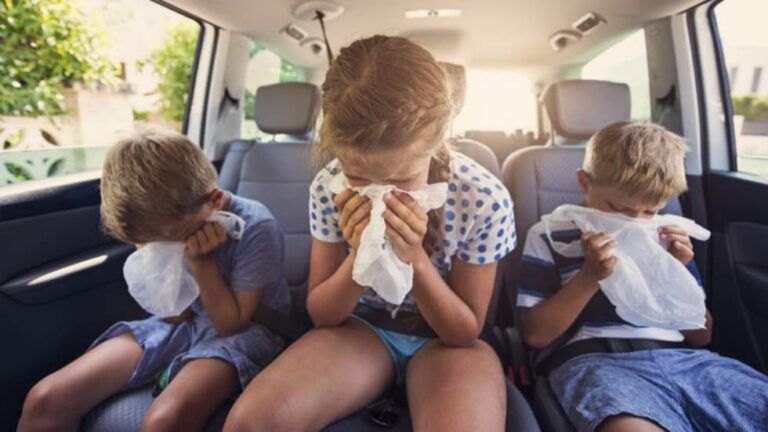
(579, 108)
(480, 153)
(497, 141)
(539, 179)
(278, 175)
(287, 108)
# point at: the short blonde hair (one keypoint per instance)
(151, 181)
(641, 159)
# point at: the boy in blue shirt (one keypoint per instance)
(160, 187)
(607, 373)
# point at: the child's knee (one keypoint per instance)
(257, 414)
(44, 403)
(164, 415)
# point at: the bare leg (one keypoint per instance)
(59, 401)
(457, 389)
(192, 396)
(628, 423)
(325, 375)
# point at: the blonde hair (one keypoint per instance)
(386, 92)
(151, 181)
(643, 160)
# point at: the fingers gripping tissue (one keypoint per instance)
(376, 263)
(648, 286)
(158, 277)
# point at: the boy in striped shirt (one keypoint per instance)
(607, 373)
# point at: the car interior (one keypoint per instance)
(61, 281)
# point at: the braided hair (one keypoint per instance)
(385, 92)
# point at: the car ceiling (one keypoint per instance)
(508, 33)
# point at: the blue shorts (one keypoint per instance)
(402, 347)
(171, 346)
(679, 389)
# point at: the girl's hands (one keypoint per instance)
(406, 226)
(354, 216)
(680, 245)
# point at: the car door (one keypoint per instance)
(733, 53)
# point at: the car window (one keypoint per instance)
(497, 99)
(744, 38)
(75, 75)
(625, 62)
(265, 67)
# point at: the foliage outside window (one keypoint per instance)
(173, 62)
(46, 46)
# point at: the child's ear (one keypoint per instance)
(584, 181)
(217, 199)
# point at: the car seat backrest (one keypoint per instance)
(478, 152)
(289, 108)
(544, 177)
(579, 108)
(278, 174)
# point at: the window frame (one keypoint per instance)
(725, 86)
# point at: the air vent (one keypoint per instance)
(294, 32)
(588, 23)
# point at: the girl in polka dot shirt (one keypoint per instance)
(386, 110)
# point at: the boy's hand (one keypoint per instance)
(354, 215)
(680, 245)
(406, 226)
(598, 260)
(201, 244)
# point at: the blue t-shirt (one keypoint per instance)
(255, 262)
(477, 224)
(544, 272)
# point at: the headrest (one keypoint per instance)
(579, 108)
(457, 78)
(287, 108)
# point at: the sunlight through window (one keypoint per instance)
(497, 99)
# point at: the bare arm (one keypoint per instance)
(701, 337)
(230, 312)
(681, 247)
(455, 310)
(547, 320)
(333, 294)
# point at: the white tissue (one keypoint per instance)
(376, 264)
(648, 286)
(158, 277)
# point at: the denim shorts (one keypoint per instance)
(679, 389)
(402, 347)
(168, 347)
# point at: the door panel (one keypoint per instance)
(738, 215)
(60, 285)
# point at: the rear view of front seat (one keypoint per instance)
(542, 178)
(278, 174)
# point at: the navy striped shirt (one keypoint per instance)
(544, 272)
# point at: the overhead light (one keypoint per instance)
(294, 32)
(587, 23)
(433, 13)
